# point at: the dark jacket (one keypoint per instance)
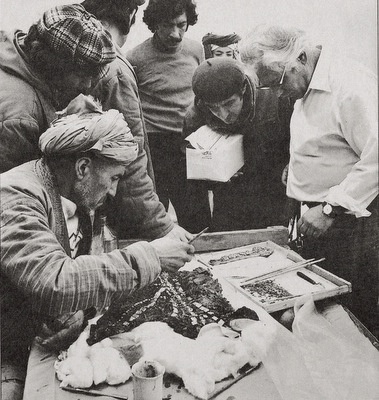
(118, 90)
(256, 199)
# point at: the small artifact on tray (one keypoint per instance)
(255, 251)
(186, 301)
(267, 291)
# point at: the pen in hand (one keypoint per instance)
(197, 235)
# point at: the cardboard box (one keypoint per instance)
(218, 160)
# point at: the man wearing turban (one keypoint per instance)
(221, 45)
(49, 207)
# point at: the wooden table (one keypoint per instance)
(42, 384)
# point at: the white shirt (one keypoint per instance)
(72, 221)
(334, 137)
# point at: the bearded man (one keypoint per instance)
(49, 208)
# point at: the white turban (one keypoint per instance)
(84, 126)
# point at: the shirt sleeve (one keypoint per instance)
(34, 261)
(358, 119)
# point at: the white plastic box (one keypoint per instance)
(216, 157)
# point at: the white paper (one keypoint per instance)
(205, 138)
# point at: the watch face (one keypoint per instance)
(327, 209)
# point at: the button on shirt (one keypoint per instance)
(334, 137)
(75, 234)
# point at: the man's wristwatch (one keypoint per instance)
(332, 211)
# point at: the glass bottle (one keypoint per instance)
(108, 237)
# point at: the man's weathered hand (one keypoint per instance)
(314, 223)
(179, 233)
(173, 254)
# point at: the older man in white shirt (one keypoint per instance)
(333, 167)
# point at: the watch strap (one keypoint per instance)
(336, 210)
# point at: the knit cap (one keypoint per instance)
(217, 79)
(75, 34)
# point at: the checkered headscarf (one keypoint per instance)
(79, 37)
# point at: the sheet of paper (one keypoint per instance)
(206, 138)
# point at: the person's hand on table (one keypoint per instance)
(314, 223)
(173, 254)
(179, 233)
(59, 333)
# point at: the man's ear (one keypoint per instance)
(302, 58)
(82, 167)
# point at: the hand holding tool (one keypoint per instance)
(198, 235)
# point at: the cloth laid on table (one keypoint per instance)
(186, 301)
(216, 353)
(316, 361)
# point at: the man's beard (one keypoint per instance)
(80, 194)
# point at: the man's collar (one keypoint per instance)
(118, 50)
(69, 208)
(320, 77)
(248, 108)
